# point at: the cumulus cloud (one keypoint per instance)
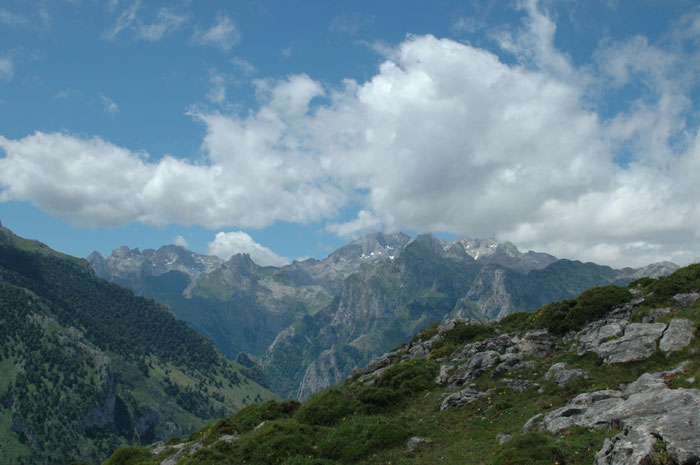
(444, 137)
(227, 244)
(223, 34)
(181, 241)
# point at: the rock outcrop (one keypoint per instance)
(647, 411)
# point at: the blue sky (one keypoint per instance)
(285, 129)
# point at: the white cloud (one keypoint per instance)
(468, 25)
(7, 68)
(444, 137)
(89, 182)
(244, 65)
(166, 21)
(181, 241)
(124, 21)
(227, 244)
(223, 34)
(217, 87)
(351, 23)
(108, 104)
(365, 222)
(12, 19)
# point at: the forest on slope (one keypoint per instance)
(87, 366)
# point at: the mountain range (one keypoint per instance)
(87, 366)
(306, 326)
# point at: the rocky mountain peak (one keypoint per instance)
(372, 247)
(506, 254)
(480, 248)
(428, 243)
(133, 262)
(240, 263)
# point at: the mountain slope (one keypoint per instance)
(610, 377)
(239, 305)
(387, 302)
(87, 366)
(310, 323)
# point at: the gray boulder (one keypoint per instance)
(467, 395)
(598, 332)
(654, 314)
(415, 442)
(512, 363)
(686, 300)
(477, 365)
(561, 376)
(637, 343)
(537, 342)
(677, 336)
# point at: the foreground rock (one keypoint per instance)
(647, 411)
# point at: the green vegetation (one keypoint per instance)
(462, 333)
(86, 366)
(560, 317)
(660, 291)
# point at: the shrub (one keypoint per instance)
(373, 399)
(426, 333)
(461, 334)
(355, 438)
(560, 317)
(275, 442)
(326, 408)
(250, 417)
(409, 377)
(530, 449)
(553, 316)
(442, 350)
(131, 455)
(596, 302)
(515, 322)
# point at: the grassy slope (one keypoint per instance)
(371, 424)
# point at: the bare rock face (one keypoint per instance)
(647, 411)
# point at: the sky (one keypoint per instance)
(286, 128)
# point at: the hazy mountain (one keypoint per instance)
(311, 322)
(87, 366)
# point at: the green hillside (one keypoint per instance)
(87, 366)
(613, 372)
